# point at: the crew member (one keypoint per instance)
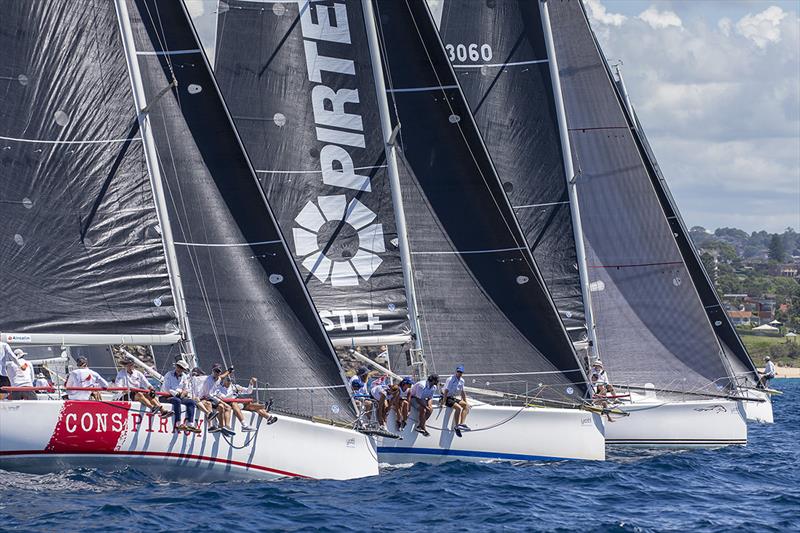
(6, 353)
(422, 393)
(381, 392)
(400, 402)
(767, 374)
(453, 395)
(132, 379)
(20, 374)
(84, 377)
(176, 384)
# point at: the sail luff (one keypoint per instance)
(154, 171)
(571, 177)
(394, 173)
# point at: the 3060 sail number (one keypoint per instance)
(471, 52)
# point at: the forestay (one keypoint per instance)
(247, 305)
(482, 300)
(498, 52)
(80, 249)
(651, 325)
(299, 84)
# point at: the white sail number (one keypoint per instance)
(472, 52)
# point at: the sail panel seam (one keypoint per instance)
(223, 245)
(167, 52)
(540, 205)
(464, 252)
(88, 141)
(638, 265)
(503, 65)
(422, 89)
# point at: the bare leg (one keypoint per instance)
(464, 411)
(456, 414)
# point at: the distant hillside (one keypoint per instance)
(754, 245)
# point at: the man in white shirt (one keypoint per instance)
(226, 389)
(453, 395)
(132, 378)
(400, 402)
(767, 374)
(84, 378)
(176, 384)
(422, 393)
(6, 353)
(380, 391)
(20, 374)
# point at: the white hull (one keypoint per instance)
(500, 433)
(655, 423)
(51, 435)
(760, 412)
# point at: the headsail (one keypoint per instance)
(742, 366)
(247, 305)
(298, 81)
(650, 323)
(499, 55)
(81, 253)
(481, 298)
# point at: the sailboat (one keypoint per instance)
(539, 88)
(354, 118)
(741, 367)
(134, 217)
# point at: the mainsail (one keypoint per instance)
(80, 247)
(498, 52)
(651, 324)
(742, 366)
(482, 301)
(298, 81)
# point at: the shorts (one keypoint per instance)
(451, 401)
(418, 402)
(4, 381)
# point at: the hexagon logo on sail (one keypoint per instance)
(338, 241)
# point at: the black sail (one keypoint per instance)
(650, 322)
(313, 134)
(247, 304)
(80, 250)
(741, 365)
(498, 52)
(481, 299)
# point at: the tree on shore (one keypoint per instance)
(776, 250)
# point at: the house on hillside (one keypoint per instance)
(740, 318)
(786, 270)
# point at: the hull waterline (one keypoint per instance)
(52, 436)
(499, 433)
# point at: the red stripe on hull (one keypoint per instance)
(158, 454)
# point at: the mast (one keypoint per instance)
(394, 181)
(153, 169)
(569, 171)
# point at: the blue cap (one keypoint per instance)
(356, 383)
(460, 368)
(406, 381)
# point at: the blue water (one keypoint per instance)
(753, 488)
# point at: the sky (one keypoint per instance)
(716, 85)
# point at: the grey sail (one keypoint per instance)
(298, 81)
(80, 249)
(650, 322)
(498, 52)
(482, 301)
(741, 364)
(247, 305)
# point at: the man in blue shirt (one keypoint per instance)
(453, 395)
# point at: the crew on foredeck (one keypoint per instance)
(84, 377)
(767, 374)
(20, 374)
(400, 402)
(453, 395)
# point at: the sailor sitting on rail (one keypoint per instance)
(176, 384)
(767, 374)
(198, 388)
(601, 385)
(226, 389)
(41, 381)
(84, 377)
(422, 393)
(399, 402)
(453, 395)
(382, 391)
(132, 378)
(361, 392)
(220, 410)
(20, 374)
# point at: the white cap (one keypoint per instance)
(19, 353)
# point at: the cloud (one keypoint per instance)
(598, 13)
(762, 28)
(725, 25)
(660, 19)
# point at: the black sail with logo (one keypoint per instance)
(247, 304)
(650, 322)
(298, 81)
(498, 53)
(482, 300)
(80, 250)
